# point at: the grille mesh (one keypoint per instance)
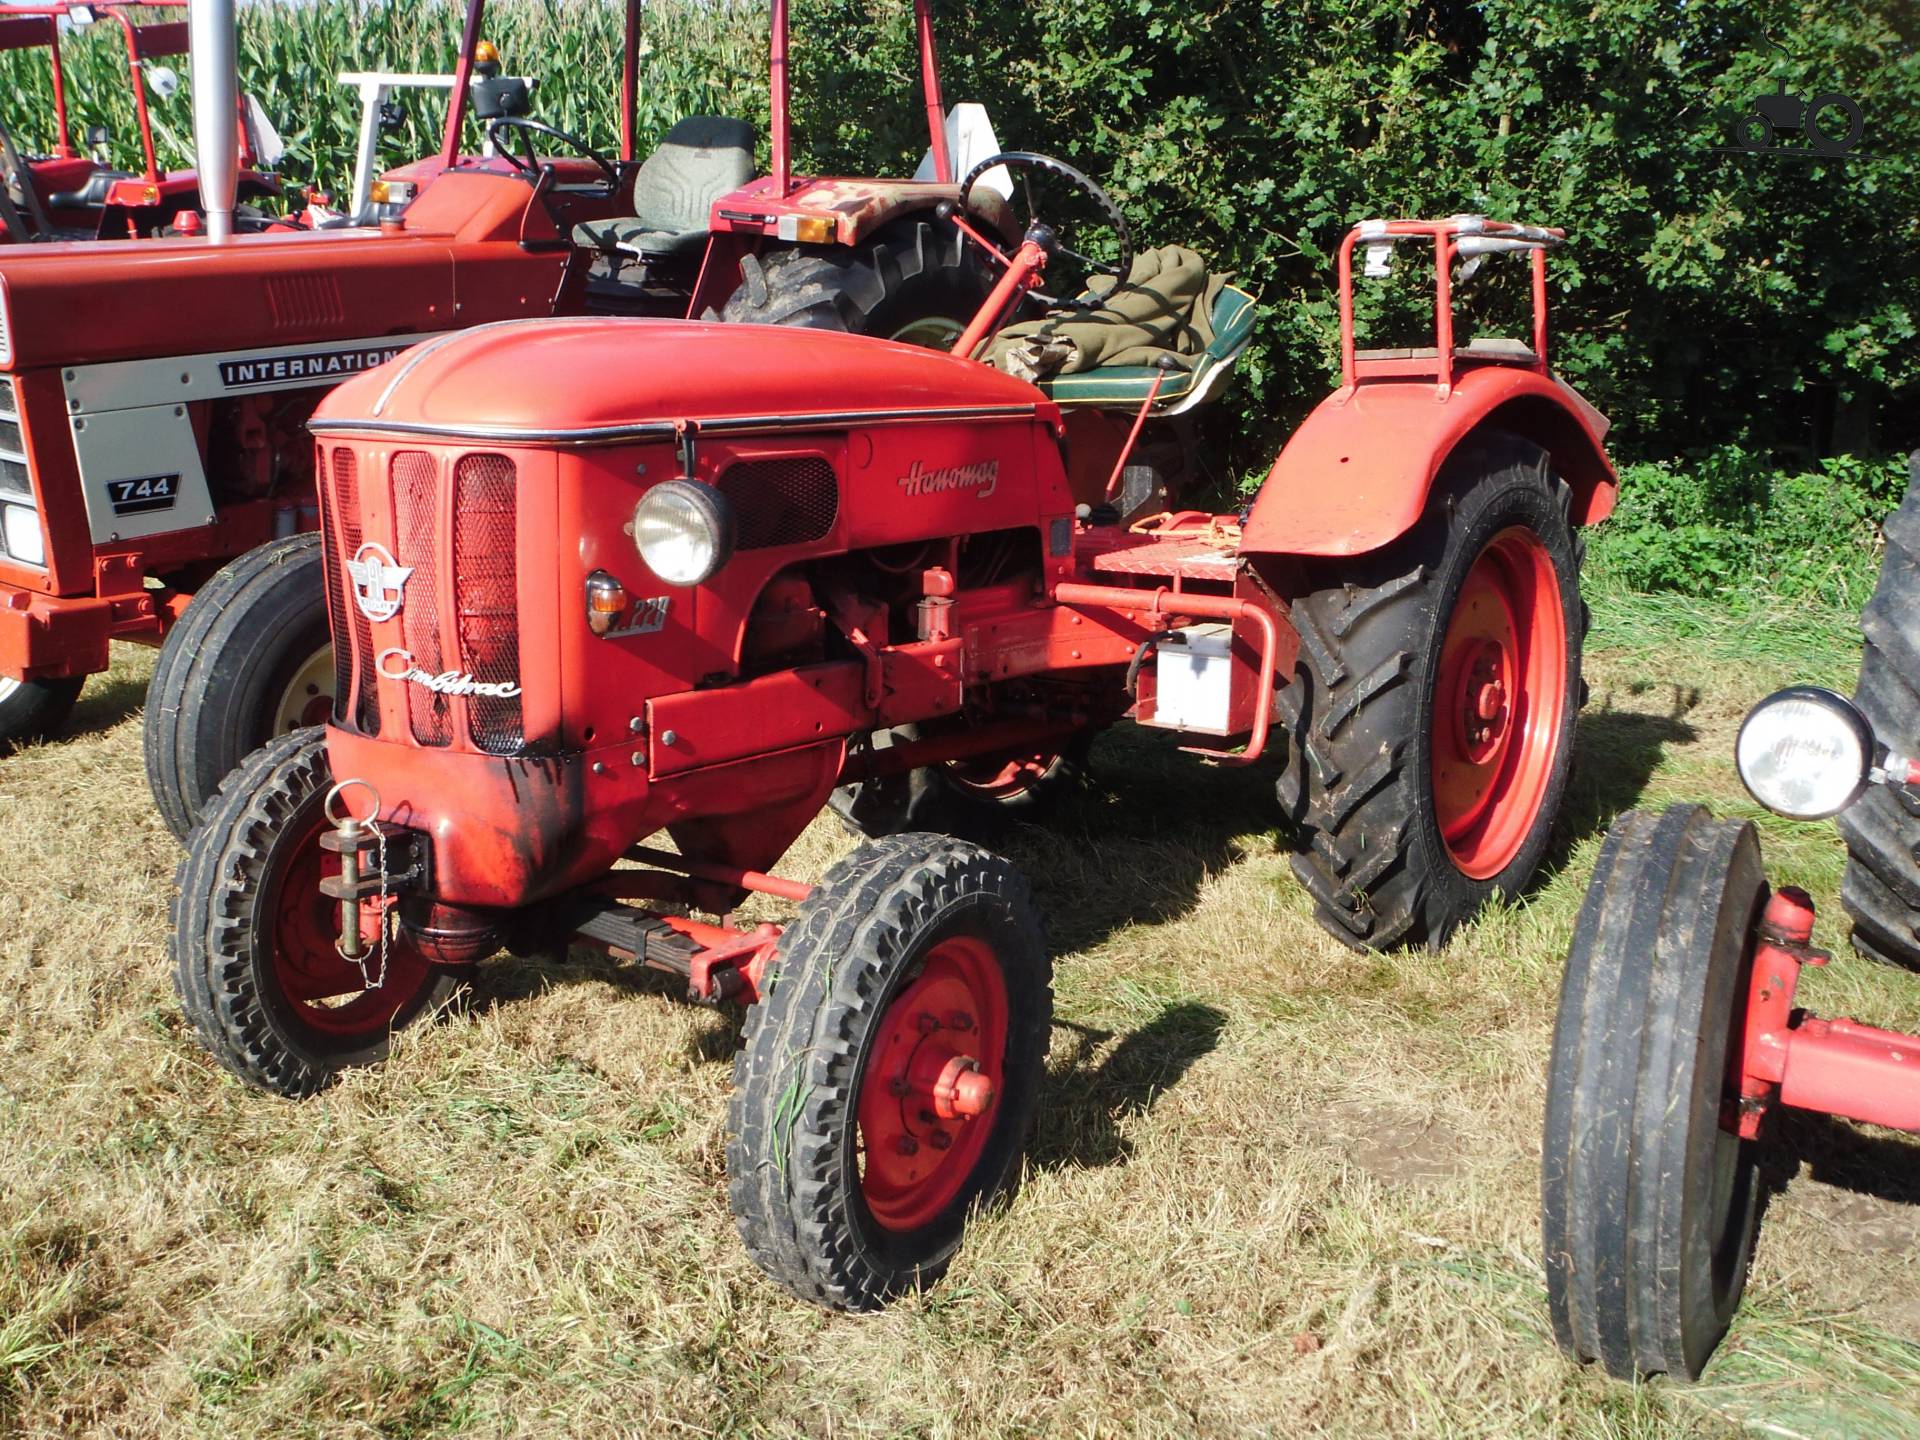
(416, 488)
(336, 595)
(789, 501)
(346, 496)
(486, 596)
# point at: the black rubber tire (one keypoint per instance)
(224, 668)
(35, 709)
(927, 799)
(792, 1156)
(907, 274)
(1881, 888)
(1359, 713)
(223, 968)
(1648, 1207)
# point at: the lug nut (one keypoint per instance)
(907, 1145)
(928, 1024)
(960, 1020)
(940, 1140)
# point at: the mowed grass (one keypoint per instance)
(1276, 1188)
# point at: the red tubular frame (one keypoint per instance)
(930, 82)
(1837, 1067)
(778, 98)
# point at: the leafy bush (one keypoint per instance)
(1729, 521)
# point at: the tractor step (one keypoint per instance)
(1184, 556)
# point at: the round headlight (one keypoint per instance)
(1805, 753)
(684, 531)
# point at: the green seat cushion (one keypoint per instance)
(1129, 385)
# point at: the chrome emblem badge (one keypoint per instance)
(378, 581)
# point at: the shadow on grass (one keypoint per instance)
(1084, 1107)
(1615, 756)
(1836, 1153)
(103, 704)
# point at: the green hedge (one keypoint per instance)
(1708, 298)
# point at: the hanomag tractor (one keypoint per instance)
(643, 577)
(152, 397)
(1678, 1035)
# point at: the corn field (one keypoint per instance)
(699, 57)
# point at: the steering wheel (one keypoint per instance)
(1025, 163)
(527, 162)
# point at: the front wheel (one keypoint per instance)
(1649, 1197)
(255, 963)
(1432, 714)
(34, 709)
(250, 659)
(889, 1075)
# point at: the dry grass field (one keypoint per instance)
(1277, 1188)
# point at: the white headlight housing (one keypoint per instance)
(23, 539)
(1805, 753)
(684, 531)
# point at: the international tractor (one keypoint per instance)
(152, 397)
(73, 192)
(618, 606)
(1678, 1038)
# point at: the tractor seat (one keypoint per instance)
(702, 158)
(1126, 387)
(93, 193)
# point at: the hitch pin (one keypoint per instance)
(348, 830)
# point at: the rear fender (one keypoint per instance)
(1356, 475)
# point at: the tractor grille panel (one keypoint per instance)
(14, 479)
(789, 501)
(416, 494)
(486, 596)
(346, 504)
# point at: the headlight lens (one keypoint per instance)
(24, 541)
(1805, 753)
(684, 531)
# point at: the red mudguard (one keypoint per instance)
(1357, 474)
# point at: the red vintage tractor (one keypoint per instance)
(1678, 1036)
(152, 397)
(593, 580)
(75, 194)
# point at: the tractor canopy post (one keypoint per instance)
(216, 112)
(778, 97)
(462, 81)
(630, 84)
(62, 133)
(930, 83)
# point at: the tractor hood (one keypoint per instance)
(579, 381)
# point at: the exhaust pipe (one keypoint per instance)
(216, 112)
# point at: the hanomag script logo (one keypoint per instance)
(983, 478)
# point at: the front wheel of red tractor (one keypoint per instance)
(1432, 713)
(889, 1075)
(255, 963)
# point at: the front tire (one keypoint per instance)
(910, 283)
(253, 937)
(250, 659)
(889, 1075)
(35, 709)
(1432, 713)
(1649, 1204)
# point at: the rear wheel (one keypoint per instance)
(1432, 713)
(255, 963)
(911, 283)
(34, 709)
(1649, 1197)
(1881, 890)
(250, 659)
(889, 1074)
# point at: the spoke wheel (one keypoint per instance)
(1498, 697)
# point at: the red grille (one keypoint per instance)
(486, 597)
(789, 501)
(346, 505)
(416, 493)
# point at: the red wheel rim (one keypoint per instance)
(1499, 697)
(932, 1085)
(1001, 779)
(321, 989)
